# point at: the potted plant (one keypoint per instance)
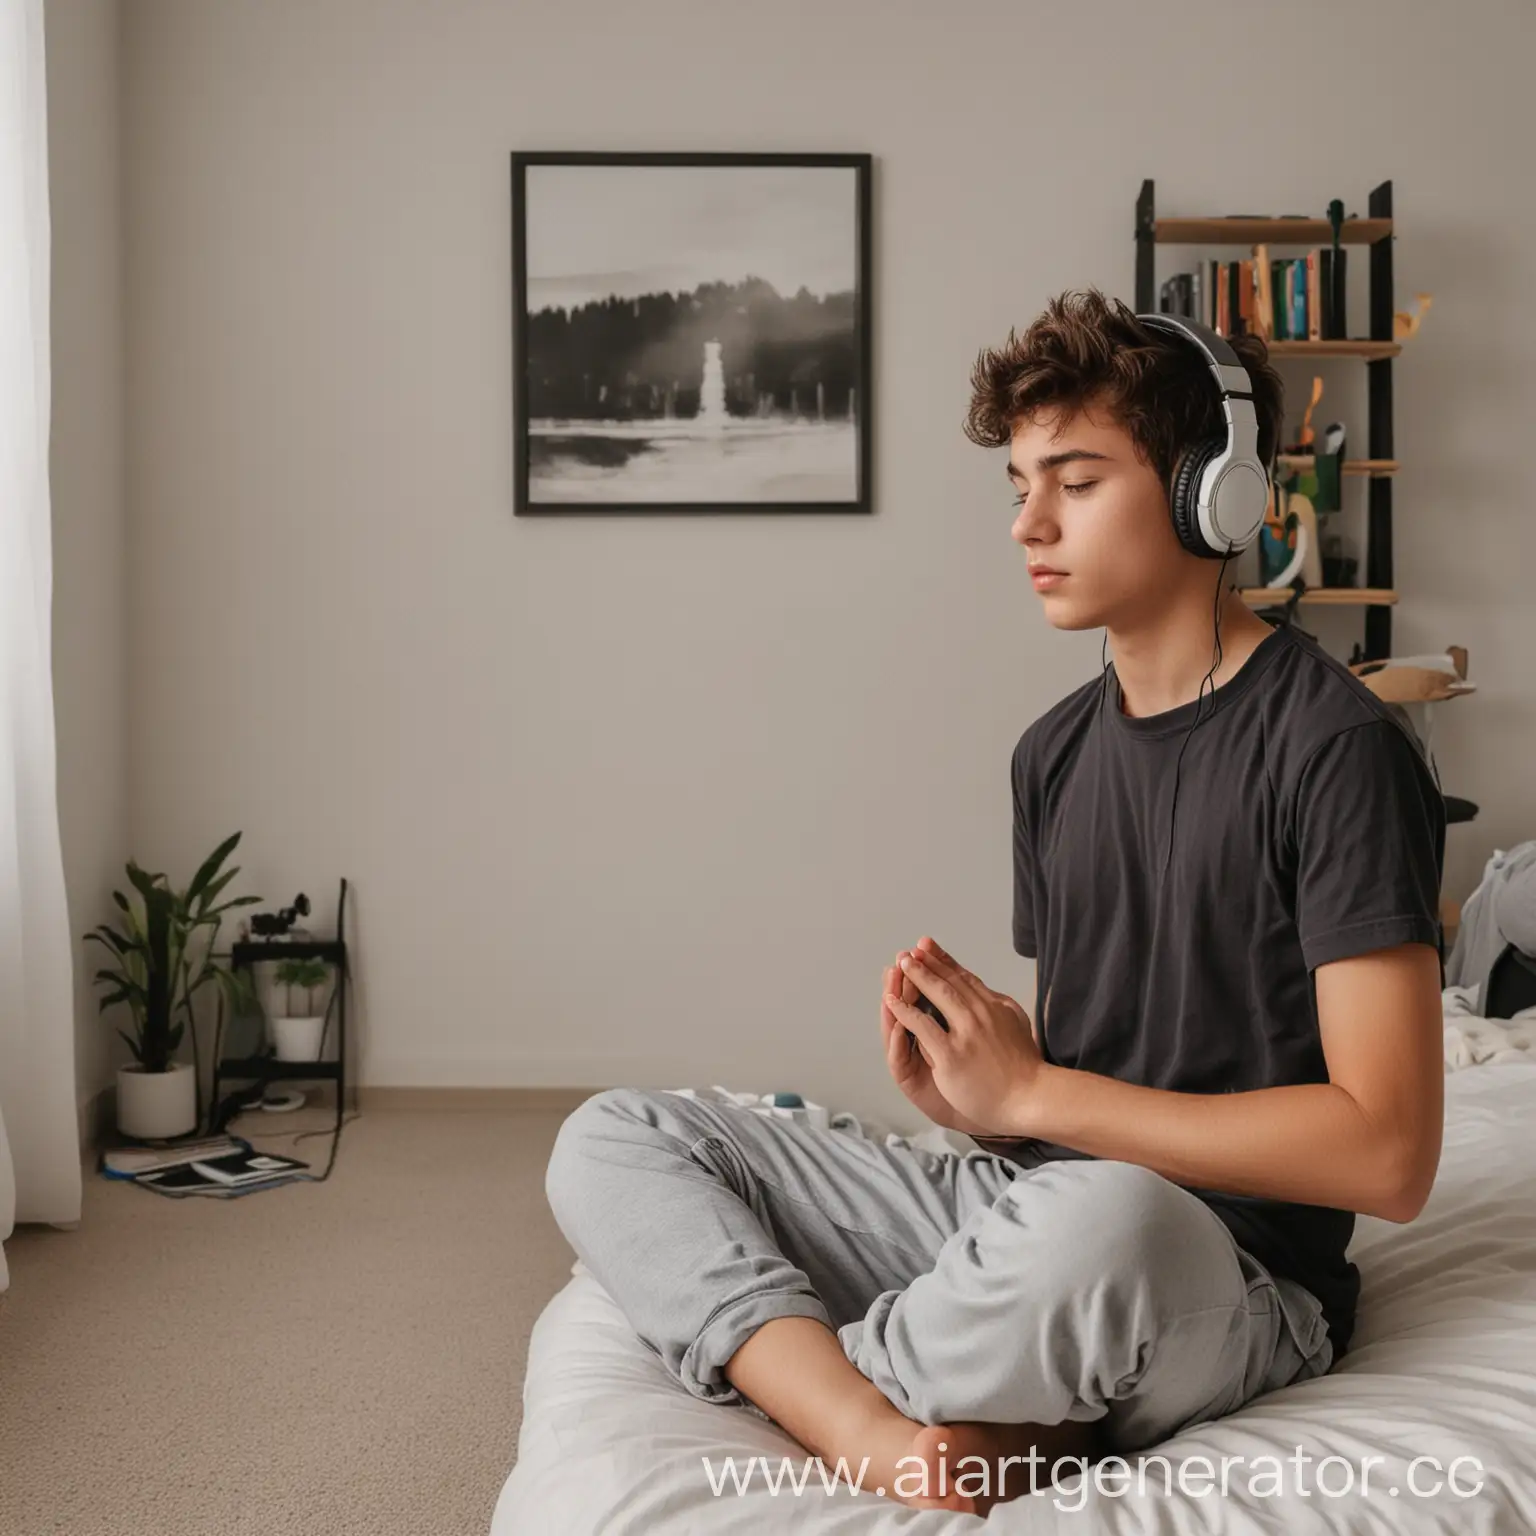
(163, 953)
(298, 1036)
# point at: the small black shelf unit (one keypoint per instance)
(1378, 552)
(266, 1068)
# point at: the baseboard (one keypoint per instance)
(544, 1099)
(98, 1111)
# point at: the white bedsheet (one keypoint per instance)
(1442, 1364)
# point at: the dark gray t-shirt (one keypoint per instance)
(1308, 828)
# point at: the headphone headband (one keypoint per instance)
(1231, 376)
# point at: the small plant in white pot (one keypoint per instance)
(298, 1036)
(163, 959)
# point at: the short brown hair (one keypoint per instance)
(1087, 348)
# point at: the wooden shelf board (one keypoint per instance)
(1268, 231)
(1361, 346)
(1373, 467)
(1364, 597)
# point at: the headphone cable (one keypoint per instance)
(1210, 677)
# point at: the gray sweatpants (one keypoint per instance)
(963, 1286)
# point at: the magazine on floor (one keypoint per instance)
(129, 1162)
(221, 1166)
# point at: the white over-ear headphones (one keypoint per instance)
(1220, 491)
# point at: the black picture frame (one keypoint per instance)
(753, 425)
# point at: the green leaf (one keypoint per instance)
(214, 888)
(143, 881)
(136, 927)
(133, 1045)
(210, 866)
(238, 987)
(162, 963)
(309, 972)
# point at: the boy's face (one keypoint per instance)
(1094, 510)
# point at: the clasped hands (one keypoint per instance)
(979, 1077)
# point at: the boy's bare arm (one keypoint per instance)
(1367, 1140)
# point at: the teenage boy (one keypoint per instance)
(1232, 900)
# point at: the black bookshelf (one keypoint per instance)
(1376, 232)
(1378, 538)
(260, 1070)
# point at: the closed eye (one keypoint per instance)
(1067, 485)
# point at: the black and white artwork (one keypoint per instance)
(691, 332)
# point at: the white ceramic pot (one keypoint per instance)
(154, 1106)
(297, 1039)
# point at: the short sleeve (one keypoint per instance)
(1370, 845)
(1024, 940)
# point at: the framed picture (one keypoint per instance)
(691, 333)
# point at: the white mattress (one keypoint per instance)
(1442, 1364)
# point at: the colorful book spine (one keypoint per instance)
(1279, 276)
(1263, 299)
(1314, 305)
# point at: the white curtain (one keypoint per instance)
(39, 1136)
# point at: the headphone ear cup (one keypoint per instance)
(1182, 503)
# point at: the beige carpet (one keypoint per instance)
(341, 1358)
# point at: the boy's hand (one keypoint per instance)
(976, 1078)
(909, 1067)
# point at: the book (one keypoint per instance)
(1314, 306)
(186, 1183)
(1263, 299)
(184, 1180)
(1325, 289)
(129, 1162)
(1245, 296)
(1176, 296)
(217, 1165)
(247, 1167)
(1339, 308)
(1279, 277)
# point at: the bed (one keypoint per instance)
(1442, 1365)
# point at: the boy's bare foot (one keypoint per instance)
(989, 1462)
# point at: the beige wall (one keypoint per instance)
(654, 800)
(86, 467)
